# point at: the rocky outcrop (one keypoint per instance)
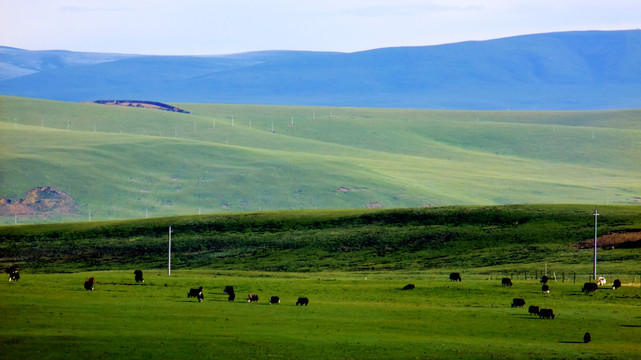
(40, 200)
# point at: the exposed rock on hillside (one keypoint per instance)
(374, 205)
(143, 104)
(41, 200)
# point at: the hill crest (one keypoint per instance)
(552, 71)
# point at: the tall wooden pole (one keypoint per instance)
(596, 213)
(169, 265)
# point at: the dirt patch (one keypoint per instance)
(374, 205)
(622, 240)
(39, 201)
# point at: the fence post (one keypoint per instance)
(563, 277)
(575, 278)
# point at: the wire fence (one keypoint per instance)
(562, 277)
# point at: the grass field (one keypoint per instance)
(120, 163)
(356, 315)
(351, 264)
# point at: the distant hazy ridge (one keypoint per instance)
(555, 71)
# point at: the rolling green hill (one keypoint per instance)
(119, 163)
(474, 239)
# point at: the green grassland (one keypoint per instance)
(120, 163)
(350, 316)
(480, 239)
(351, 264)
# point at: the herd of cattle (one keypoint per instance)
(231, 296)
(589, 287)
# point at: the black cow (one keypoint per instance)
(229, 290)
(274, 300)
(195, 292)
(506, 282)
(545, 289)
(590, 287)
(408, 287)
(89, 283)
(455, 277)
(252, 298)
(533, 310)
(587, 337)
(518, 302)
(546, 314)
(14, 275)
(615, 285)
(544, 280)
(200, 297)
(138, 276)
(302, 301)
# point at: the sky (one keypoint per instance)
(212, 27)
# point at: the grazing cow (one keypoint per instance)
(14, 275)
(274, 300)
(252, 298)
(229, 290)
(455, 277)
(518, 302)
(138, 275)
(89, 283)
(545, 289)
(195, 292)
(408, 287)
(506, 282)
(587, 337)
(302, 301)
(200, 297)
(544, 280)
(616, 284)
(590, 287)
(546, 314)
(601, 281)
(533, 310)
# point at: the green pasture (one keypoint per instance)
(120, 163)
(356, 315)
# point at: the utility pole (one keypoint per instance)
(596, 213)
(169, 265)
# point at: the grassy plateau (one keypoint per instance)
(120, 163)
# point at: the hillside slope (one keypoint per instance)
(462, 238)
(555, 71)
(123, 162)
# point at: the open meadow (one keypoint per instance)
(355, 315)
(350, 264)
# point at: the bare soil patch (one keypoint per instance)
(622, 240)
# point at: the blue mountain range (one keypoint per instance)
(554, 71)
